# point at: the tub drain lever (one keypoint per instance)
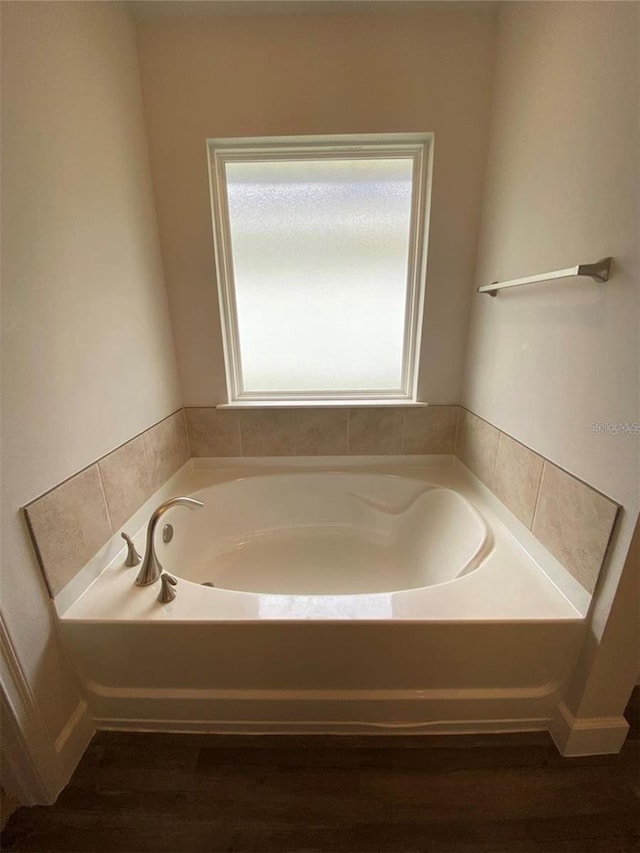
(167, 591)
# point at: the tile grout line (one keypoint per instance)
(147, 467)
(104, 497)
(174, 439)
(295, 437)
(186, 426)
(495, 461)
(176, 443)
(183, 418)
(535, 508)
(239, 428)
(461, 435)
(455, 431)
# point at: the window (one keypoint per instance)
(321, 255)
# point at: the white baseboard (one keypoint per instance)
(324, 727)
(395, 712)
(371, 712)
(74, 738)
(589, 736)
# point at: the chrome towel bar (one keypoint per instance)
(598, 272)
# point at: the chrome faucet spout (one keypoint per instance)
(151, 569)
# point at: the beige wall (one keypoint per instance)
(315, 74)
(544, 363)
(87, 352)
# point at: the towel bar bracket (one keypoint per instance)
(598, 271)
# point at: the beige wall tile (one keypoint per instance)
(213, 432)
(267, 432)
(375, 431)
(460, 432)
(517, 477)
(321, 432)
(167, 449)
(69, 525)
(478, 445)
(179, 426)
(431, 429)
(125, 478)
(574, 522)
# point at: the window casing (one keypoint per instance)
(320, 247)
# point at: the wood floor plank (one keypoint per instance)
(135, 792)
(237, 834)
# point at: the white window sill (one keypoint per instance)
(317, 404)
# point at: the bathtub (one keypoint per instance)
(327, 534)
(367, 595)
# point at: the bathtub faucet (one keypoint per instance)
(151, 568)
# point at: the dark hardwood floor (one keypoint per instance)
(511, 793)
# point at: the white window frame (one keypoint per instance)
(418, 147)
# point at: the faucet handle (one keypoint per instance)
(167, 592)
(133, 558)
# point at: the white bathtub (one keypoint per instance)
(326, 533)
(376, 596)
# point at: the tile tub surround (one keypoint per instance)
(166, 447)
(572, 520)
(125, 479)
(516, 477)
(69, 525)
(477, 445)
(367, 430)
(72, 521)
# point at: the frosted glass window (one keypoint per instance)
(319, 261)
